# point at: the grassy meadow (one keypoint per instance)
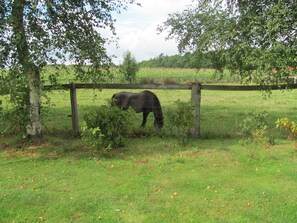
(59, 178)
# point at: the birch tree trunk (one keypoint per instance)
(34, 125)
(29, 68)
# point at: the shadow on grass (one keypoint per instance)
(61, 144)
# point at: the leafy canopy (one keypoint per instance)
(61, 31)
(254, 38)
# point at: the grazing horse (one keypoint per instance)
(145, 102)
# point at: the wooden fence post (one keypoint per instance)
(74, 111)
(196, 101)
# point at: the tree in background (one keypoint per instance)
(36, 33)
(256, 39)
(129, 67)
(188, 60)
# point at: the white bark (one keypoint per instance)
(30, 69)
(34, 125)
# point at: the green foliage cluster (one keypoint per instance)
(16, 92)
(254, 38)
(180, 119)
(129, 67)
(289, 126)
(254, 130)
(107, 127)
(253, 122)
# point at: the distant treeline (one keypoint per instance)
(188, 60)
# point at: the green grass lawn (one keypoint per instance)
(150, 180)
(153, 179)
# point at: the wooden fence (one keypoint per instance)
(194, 87)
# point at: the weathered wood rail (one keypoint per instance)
(171, 86)
(194, 87)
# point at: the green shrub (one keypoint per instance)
(254, 130)
(180, 120)
(12, 120)
(107, 127)
(289, 126)
(254, 121)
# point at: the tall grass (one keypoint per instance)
(179, 76)
(185, 75)
(152, 75)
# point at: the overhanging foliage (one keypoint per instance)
(256, 39)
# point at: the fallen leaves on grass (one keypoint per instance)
(141, 162)
(174, 194)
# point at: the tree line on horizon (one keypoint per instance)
(187, 60)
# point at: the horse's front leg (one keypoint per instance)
(145, 114)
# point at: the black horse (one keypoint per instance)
(145, 101)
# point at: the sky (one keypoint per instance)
(136, 29)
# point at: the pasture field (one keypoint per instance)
(221, 111)
(153, 178)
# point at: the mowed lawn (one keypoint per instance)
(154, 179)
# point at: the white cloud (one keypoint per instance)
(137, 29)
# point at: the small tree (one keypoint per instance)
(129, 68)
(254, 130)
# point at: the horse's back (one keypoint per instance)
(130, 99)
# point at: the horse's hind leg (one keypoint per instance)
(145, 114)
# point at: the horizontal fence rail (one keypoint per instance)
(173, 87)
(119, 86)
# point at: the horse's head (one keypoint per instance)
(159, 122)
(116, 100)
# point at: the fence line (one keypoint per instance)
(172, 87)
(157, 79)
(194, 87)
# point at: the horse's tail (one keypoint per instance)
(157, 110)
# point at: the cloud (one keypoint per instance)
(137, 29)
